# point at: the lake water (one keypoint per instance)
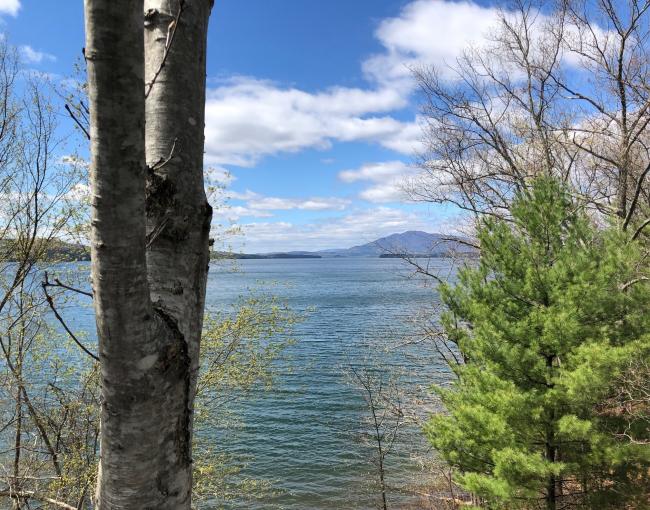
(302, 434)
(302, 437)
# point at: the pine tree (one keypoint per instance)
(546, 327)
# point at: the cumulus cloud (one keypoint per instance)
(233, 213)
(256, 202)
(407, 140)
(375, 172)
(9, 7)
(308, 204)
(439, 32)
(386, 178)
(247, 119)
(32, 56)
(431, 32)
(385, 192)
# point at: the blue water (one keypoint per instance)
(302, 436)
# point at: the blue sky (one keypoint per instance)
(311, 114)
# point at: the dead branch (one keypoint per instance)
(50, 302)
(171, 34)
(77, 121)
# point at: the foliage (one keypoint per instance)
(59, 402)
(547, 326)
(237, 351)
(238, 354)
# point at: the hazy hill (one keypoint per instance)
(412, 242)
(54, 250)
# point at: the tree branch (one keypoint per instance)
(74, 117)
(50, 302)
(635, 199)
(59, 283)
(32, 495)
(640, 229)
(173, 26)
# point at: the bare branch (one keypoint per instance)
(50, 302)
(59, 283)
(77, 121)
(171, 34)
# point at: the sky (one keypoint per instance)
(312, 113)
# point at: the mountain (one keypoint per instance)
(413, 242)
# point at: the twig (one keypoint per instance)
(59, 283)
(163, 161)
(32, 495)
(168, 44)
(464, 242)
(640, 229)
(74, 117)
(627, 285)
(50, 302)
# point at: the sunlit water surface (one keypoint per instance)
(302, 436)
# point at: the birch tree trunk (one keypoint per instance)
(178, 213)
(150, 228)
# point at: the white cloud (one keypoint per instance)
(408, 139)
(309, 204)
(387, 192)
(387, 180)
(430, 32)
(9, 7)
(233, 213)
(375, 172)
(256, 202)
(247, 119)
(33, 56)
(439, 32)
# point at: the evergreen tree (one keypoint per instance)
(546, 327)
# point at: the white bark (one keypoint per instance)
(149, 290)
(178, 213)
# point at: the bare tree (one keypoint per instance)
(386, 418)
(556, 89)
(33, 215)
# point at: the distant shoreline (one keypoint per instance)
(258, 256)
(410, 244)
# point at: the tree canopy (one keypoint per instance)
(549, 325)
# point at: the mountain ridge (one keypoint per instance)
(410, 242)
